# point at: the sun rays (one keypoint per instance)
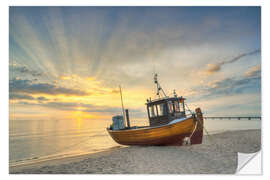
(72, 59)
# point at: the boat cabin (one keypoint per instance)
(162, 111)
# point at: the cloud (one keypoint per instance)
(20, 96)
(42, 98)
(230, 86)
(27, 86)
(83, 107)
(254, 71)
(213, 68)
(15, 96)
(24, 70)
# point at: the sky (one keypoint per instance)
(68, 62)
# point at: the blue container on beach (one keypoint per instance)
(118, 122)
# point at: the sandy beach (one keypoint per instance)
(217, 155)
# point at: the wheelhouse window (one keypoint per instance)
(162, 111)
(176, 106)
(170, 107)
(152, 111)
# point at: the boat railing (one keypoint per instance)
(187, 108)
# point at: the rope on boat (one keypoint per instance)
(194, 130)
(188, 109)
(187, 140)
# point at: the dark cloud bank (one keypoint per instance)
(24, 70)
(22, 89)
(29, 87)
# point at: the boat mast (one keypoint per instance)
(122, 103)
(159, 88)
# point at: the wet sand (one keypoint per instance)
(217, 155)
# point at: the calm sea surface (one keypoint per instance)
(35, 140)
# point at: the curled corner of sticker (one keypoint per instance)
(249, 163)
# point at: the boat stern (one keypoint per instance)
(197, 136)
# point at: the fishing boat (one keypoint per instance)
(171, 122)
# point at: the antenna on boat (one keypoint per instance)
(159, 88)
(122, 103)
(174, 93)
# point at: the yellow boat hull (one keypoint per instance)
(169, 134)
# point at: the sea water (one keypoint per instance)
(33, 140)
(37, 140)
